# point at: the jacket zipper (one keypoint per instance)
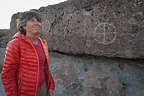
(38, 71)
(20, 79)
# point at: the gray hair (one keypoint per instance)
(24, 17)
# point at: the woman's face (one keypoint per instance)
(32, 26)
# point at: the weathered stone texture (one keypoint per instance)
(111, 28)
(2, 54)
(4, 37)
(96, 76)
(2, 91)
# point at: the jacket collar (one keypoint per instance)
(25, 38)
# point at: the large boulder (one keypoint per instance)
(2, 90)
(2, 54)
(95, 76)
(112, 28)
(4, 37)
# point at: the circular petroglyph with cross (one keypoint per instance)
(105, 33)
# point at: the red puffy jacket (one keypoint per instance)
(21, 67)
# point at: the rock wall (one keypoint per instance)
(2, 54)
(80, 75)
(4, 37)
(98, 27)
(96, 76)
(2, 91)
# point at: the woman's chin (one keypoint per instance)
(36, 32)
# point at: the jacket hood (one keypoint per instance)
(21, 36)
(17, 35)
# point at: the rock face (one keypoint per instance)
(98, 27)
(4, 37)
(2, 91)
(95, 76)
(2, 54)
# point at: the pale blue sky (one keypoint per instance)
(9, 7)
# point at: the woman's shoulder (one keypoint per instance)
(13, 42)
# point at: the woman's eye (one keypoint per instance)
(32, 20)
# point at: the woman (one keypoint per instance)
(26, 69)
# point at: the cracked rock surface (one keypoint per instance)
(112, 28)
(95, 76)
